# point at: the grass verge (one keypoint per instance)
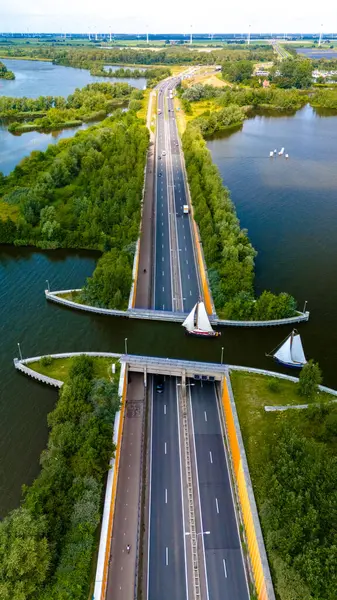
(60, 367)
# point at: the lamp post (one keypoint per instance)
(222, 350)
(305, 305)
(20, 353)
(47, 282)
(126, 345)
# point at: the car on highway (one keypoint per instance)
(159, 385)
(164, 152)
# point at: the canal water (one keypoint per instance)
(290, 209)
(38, 78)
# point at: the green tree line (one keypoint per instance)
(47, 545)
(228, 252)
(84, 192)
(85, 57)
(295, 481)
(274, 98)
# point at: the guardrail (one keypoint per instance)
(256, 549)
(159, 315)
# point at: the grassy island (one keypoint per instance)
(5, 73)
(92, 103)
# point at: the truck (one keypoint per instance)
(186, 209)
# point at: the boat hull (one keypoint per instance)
(291, 365)
(204, 334)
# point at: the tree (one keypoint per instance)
(310, 379)
(24, 555)
(238, 71)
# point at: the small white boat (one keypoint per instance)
(271, 154)
(275, 151)
(286, 155)
(197, 322)
(281, 152)
(290, 352)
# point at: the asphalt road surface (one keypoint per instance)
(166, 567)
(169, 169)
(162, 283)
(223, 556)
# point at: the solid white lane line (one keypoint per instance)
(166, 556)
(217, 505)
(165, 446)
(164, 409)
(165, 495)
(205, 413)
(224, 566)
(211, 458)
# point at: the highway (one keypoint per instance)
(175, 277)
(223, 556)
(166, 551)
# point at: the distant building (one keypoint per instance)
(261, 73)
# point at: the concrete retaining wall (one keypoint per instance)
(256, 549)
(157, 315)
(101, 578)
(21, 365)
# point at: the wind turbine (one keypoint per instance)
(191, 36)
(248, 40)
(320, 35)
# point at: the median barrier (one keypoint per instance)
(255, 544)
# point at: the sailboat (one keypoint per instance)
(197, 322)
(290, 351)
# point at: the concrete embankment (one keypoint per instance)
(22, 365)
(158, 315)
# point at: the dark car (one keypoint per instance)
(159, 385)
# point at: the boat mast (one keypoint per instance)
(197, 316)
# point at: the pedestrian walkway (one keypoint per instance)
(122, 565)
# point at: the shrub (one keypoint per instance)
(46, 361)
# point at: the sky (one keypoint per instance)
(174, 16)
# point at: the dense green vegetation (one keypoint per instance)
(292, 73)
(5, 73)
(293, 465)
(91, 103)
(47, 545)
(152, 75)
(84, 192)
(87, 57)
(273, 98)
(220, 120)
(228, 252)
(238, 72)
(324, 98)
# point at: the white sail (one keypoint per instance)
(284, 353)
(189, 321)
(297, 352)
(202, 318)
